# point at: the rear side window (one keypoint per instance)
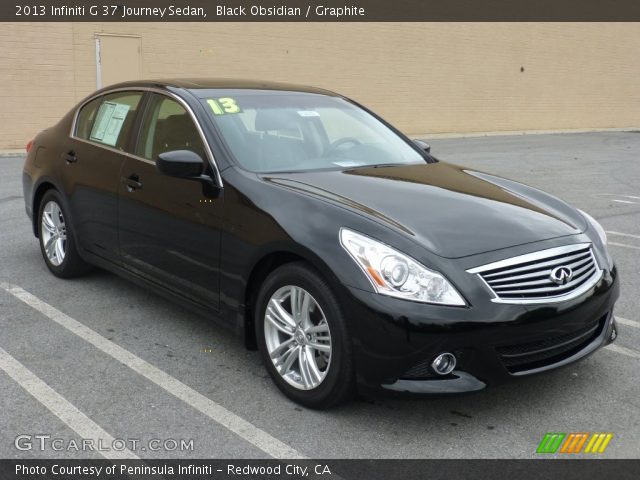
(86, 117)
(114, 119)
(167, 126)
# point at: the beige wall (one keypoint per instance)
(423, 77)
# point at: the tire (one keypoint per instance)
(63, 260)
(332, 381)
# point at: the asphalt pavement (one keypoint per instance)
(100, 358)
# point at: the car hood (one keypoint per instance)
(450, 210)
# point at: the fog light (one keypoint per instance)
(444, 363)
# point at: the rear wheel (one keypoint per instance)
(303, 337)
(56, 238)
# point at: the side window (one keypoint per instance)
(167, 126)
(114, 119)
(85, 119)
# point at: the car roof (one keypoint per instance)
(221, 83)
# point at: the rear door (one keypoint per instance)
(169, 231)
(93, 159)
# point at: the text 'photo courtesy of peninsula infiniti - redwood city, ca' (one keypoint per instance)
(344, 251)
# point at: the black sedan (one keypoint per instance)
(344, 251)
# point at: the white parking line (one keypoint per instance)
(62, 408)
(625, 245)
(623, 350)
(625, 201)
(620, 234)
(614, 195)
(627, 322)
(245, 430)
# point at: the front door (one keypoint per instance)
(169, 231)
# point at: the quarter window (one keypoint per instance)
(167, 126)
(114, 119)
(86, 117)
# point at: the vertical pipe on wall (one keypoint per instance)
(98, 64)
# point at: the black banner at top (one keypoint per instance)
(320, 10)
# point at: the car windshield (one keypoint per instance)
(274, 131)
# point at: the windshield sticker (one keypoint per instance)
(308, 113)
(109, 121)
(348, 163)
(223, 105)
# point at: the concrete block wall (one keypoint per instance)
(423, 77)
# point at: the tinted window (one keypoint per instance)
(85, 119)
(167, 126)
(114, 119)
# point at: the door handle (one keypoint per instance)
(70, 157)
(132, 182)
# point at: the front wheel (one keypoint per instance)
(303, 339)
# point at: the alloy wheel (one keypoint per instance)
(298, 337)
(54, 233)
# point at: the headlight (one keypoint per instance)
(596, 226)
(602, 235)
(395, 274)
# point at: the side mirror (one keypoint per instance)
(180, 164)
(423, 145)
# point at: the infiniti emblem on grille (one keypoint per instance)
(561, 275)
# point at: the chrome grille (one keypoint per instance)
(528, 278)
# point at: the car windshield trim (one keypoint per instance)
(340, 169)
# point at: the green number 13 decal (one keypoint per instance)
(223, 105)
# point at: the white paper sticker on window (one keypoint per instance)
(348, 163)
(111, 117)
(308, 113)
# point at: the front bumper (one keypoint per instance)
(394, 341)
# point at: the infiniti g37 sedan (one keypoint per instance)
(344, 251)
